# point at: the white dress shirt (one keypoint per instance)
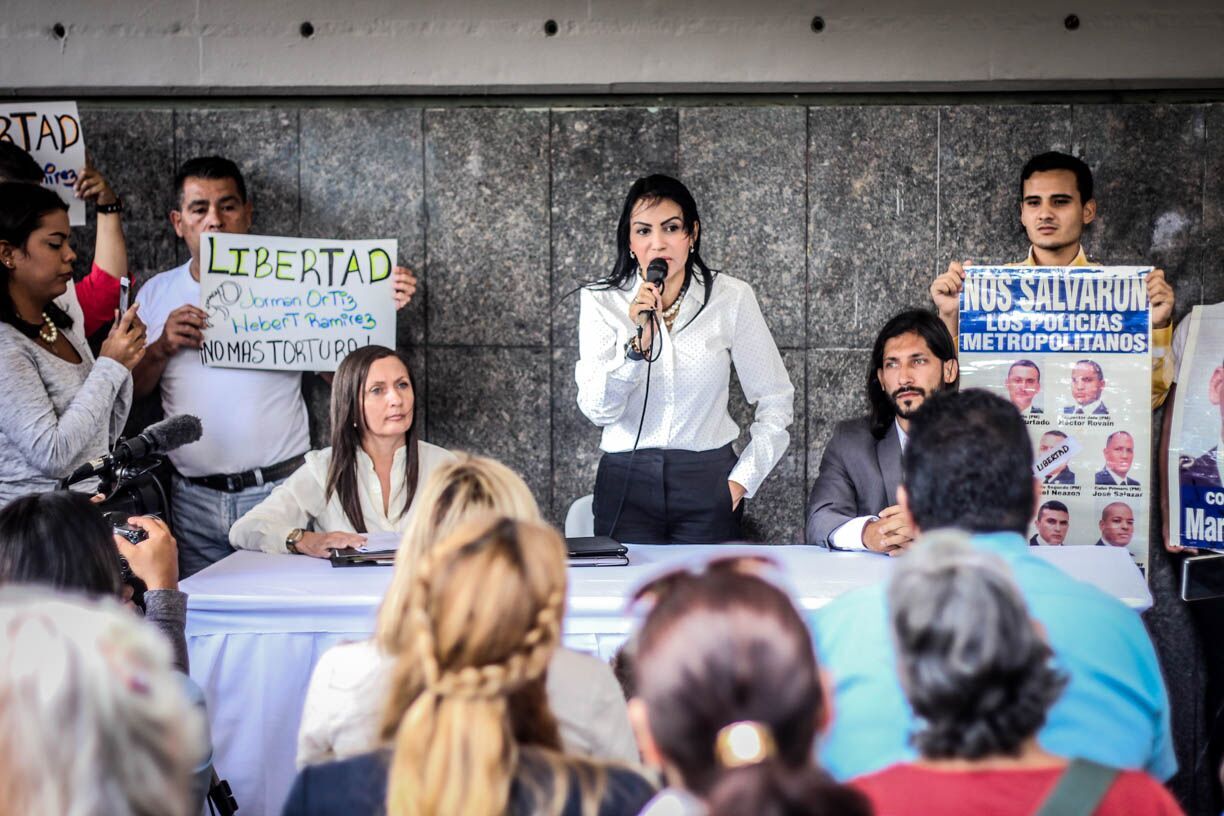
(300, 502)
(344, 701)
(849, 536)
(689, 382)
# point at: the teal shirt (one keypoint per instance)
(1115, 709)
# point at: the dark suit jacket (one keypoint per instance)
(1200, 472)
(1101, 410)
(358, 787)
(1067, 476)
(1104, 477)
(1033, 542)
(859, 475)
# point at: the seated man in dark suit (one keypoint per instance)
(1060, 475)
(1053, 521)
(853, 504)
(1119, 455)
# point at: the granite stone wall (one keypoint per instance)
(839, 216)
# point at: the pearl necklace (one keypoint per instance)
(669, 314)
(48, 331)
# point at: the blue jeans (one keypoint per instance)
(202, 520)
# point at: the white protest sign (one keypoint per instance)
(51, 133)
(294, 304)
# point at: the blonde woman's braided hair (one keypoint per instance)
(467, 487)
(483, 620)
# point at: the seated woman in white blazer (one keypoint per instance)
(365, 482)
(348, 690)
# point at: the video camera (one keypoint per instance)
(126, 474)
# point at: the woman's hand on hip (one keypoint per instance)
(125, 344)
(737, 493)
(320, 545)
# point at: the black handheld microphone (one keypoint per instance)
(656, 273)
(160, 437)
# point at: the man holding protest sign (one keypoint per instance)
(255, 423)
(1056, 206)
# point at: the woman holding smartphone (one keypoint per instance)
(61, 407)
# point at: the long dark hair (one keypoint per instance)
(22, 207)
(59, 539)
(931, 329)
(651, 190)
(348, 427)
(727, 647)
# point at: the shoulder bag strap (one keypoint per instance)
(1079, 790)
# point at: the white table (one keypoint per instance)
(257, 623)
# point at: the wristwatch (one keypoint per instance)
(291, 540)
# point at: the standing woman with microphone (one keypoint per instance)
(60, 406)
(657, 339)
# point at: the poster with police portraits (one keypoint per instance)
(1196, 436)
(1070, 347)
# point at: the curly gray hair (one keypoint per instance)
(973, 665)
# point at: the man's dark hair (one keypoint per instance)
(1025, 364)
(1055, 432)
(18, 165)
(931, 329)
(1059, 161)
(208, 167)
(969, 464)
(1054, 505)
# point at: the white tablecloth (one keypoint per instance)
(257, 623)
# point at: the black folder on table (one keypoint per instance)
(362, 558)
(596, 551)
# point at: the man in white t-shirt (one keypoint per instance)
(255, 425)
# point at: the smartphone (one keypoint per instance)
(1203, 577)
(125, 294)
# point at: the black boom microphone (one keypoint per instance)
(160, 437)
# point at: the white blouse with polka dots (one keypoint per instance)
(689, 381)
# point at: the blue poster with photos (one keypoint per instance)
(1070, 347)
(1196, 467)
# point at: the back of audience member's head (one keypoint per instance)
(93, 720)
(18, 165)
(60, 539)
(969, 464)
(213, 168)
(724, 659)
(973, 665)
(484, 620)
(459, 490)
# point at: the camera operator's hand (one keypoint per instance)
(320, 545)
(154, 560)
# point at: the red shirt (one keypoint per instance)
(901, 790)
(98, 294)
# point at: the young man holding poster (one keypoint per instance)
(255, 425)
(1056, 206)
